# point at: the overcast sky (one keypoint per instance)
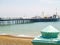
(28, 8)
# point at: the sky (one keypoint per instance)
(28, 8)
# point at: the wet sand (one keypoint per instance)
(12, 40)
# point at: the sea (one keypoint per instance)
(32, 29)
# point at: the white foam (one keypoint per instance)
(23, 36)
(17, 35)
(3, 34)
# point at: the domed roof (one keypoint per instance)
(50, 29)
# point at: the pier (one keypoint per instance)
(14, 21)
(25, 21)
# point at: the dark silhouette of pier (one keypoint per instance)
(25, 21)
(15, 21)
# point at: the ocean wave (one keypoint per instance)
(16, 35)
